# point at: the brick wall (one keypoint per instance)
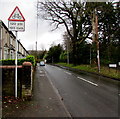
(8, 79)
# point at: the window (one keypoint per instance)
(6, 55)
(11, 41)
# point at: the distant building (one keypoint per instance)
(34, 52)
(7, 44)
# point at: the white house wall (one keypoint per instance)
(0, 41)
(7, 44)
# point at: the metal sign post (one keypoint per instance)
(16, 22)
(16, 66)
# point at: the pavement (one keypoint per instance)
(45, 101)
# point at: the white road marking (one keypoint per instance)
(67, 72)
(59, 69)
(41, 71)
(88, 81)
(42, 75)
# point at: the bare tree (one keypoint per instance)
(71, 14)
(67, 43)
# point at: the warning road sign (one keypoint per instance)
(16, 15)
(16, 21)
(16, 26)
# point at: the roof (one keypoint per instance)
(7, 28)
(12, 34)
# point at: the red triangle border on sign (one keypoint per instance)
(9, 19)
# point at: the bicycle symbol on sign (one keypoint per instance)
(16, 16)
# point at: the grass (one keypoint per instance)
(113, 73)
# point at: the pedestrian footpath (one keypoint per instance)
(45, 102)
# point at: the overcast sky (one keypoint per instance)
(29, 36)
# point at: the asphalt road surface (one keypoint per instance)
(85, 95)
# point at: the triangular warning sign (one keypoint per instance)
(16, 15)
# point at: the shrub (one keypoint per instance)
(20, 61)
(7, 62)
(105, 62)
(63, 57)
(29, 58)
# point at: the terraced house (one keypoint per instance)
(7, 44)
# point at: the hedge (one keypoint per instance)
(29, 58)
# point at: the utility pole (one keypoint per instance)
(95, 36)
(97, 41)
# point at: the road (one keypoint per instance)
(85, 95)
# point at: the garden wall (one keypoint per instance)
(24, 79)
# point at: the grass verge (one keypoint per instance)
(113, 73)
